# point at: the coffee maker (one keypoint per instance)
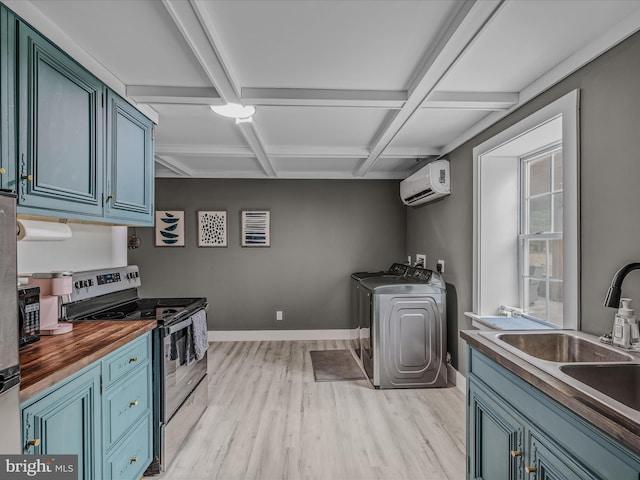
(55, 288)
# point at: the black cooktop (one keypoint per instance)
(164, 310)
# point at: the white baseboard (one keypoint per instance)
(280, 335)
(457, 378)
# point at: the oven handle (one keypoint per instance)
(183, 324)
(180, 326)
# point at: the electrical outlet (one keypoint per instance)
(421, 259)
(440, 266)
(279, 315)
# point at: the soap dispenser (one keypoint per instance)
(625, 327)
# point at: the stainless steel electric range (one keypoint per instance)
(180, 387)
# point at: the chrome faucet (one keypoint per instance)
(615, 290)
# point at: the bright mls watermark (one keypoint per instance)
(49, 467)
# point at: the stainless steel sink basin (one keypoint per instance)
(562, 348)
(620, 382)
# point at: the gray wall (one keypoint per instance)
(321, 232)
(610, 193)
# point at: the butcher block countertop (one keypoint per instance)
(54, 358)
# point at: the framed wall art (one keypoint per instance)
(212, 228)
(169, 228)
(255, 228)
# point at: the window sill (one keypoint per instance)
(496, 322)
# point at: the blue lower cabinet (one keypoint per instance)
(515, 431)
(108, 424)
(497, 437)
(66, 420)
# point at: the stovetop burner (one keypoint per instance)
(116, 315)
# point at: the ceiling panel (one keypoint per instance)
(401, 167)
(528, 38)
(308, 166)
(327, 44)
(205, 166)
(435, 127)
(318, 126)
(135, 40)
(195, 125)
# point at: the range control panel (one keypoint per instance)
(92, 283)
(108, 278)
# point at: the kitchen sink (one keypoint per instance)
(620, 382)
(562, 348)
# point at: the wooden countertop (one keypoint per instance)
(54, 358)
(621, 427)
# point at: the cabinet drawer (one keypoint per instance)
(133, 456)
(126, 359)
(125, 403)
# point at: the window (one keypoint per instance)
(540, 239)
(526, 221)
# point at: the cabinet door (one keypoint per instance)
(66, 421)
(7, 101)
(129, 189)
(494, 438)
(547, 462)
(60, 136)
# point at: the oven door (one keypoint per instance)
(180, 376)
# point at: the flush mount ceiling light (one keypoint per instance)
(242, 113)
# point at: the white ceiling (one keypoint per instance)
(343, 89)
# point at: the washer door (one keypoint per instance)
(412, 340)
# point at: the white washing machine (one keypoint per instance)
(404, 331)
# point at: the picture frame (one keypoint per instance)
(212, 228)
(169, 228)
(255, 226)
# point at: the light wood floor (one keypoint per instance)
(267, 419)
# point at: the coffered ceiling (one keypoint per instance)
(343, 89)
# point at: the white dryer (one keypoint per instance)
(406, 321)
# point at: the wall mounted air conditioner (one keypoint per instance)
(428, 183)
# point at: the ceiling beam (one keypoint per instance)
(203, 151)
(186, 18)
(463, 28)
(471, 100)
(196, 26)
(289, 152)
(174, 166)
(309, 97)
(174, 95)
(304, 97)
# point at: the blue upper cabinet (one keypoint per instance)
(81, 151)
(60, 136)
(129, 186)
(7, 101)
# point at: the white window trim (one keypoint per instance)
(568, 108)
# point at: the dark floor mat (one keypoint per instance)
(334, 366)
